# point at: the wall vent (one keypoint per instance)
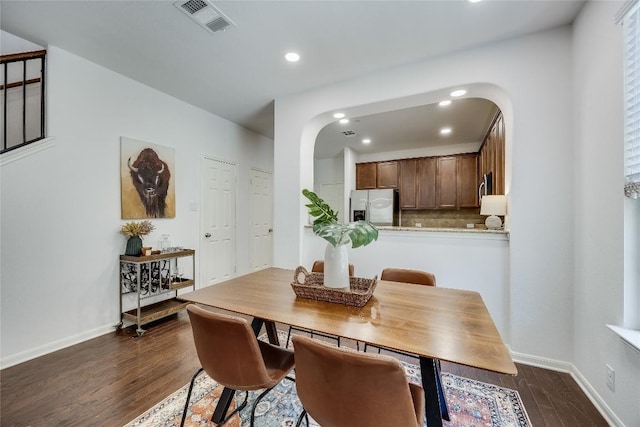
(205, 14)
(348, 133)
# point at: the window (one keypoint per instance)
(631, 28)
(629, 16)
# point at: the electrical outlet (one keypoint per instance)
(611, 378)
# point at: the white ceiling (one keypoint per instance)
(236, 74)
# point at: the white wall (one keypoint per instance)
(599, 222)
(530, 81)
(486, 262)
(60, 210)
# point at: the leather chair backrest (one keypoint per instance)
(228, 350)
(339, 387)
(408, 276)
(318, 267)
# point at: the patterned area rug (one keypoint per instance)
(471, 404)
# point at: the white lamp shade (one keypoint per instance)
(493, 205)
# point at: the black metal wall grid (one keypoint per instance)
(24, 58)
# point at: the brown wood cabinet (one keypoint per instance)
(408, 183)
(447, 183)
(426, 183)
(492, 154)
(468, 181)
(387, 174)
(366, 176)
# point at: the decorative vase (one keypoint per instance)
(134, 246)
(336, 266)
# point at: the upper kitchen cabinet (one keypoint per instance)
(408, 183)
(426, 183)
(366, 174)
(492, 154)
(387, 174)
(447, 183)
(468, 181)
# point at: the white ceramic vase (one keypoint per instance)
(336, 266)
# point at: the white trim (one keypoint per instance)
(566, 367)
(33, 353)
(629, 336)
(623, 11)
(27, 150)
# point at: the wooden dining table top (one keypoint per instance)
(440, 323)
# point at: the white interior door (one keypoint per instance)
(218, 222)
(261, 220)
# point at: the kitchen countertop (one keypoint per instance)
(437, 229)
(442, 229)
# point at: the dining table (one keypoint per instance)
(433, 323)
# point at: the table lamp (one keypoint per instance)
(493, 206)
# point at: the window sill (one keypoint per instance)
(27, 150)
(629, 336)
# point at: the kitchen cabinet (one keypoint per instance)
(366, 174)
(426, 183)
(152, 277)
(387, 174)
(408, 183)
(492, 154)
(447, 183)
(467, 181)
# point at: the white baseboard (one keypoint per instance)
(589, 391)
(32, 353)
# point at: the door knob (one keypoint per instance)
(271, 230)
(207, 235)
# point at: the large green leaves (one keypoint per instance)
(327, 226)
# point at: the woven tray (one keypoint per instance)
(357, 295)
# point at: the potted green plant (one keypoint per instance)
(338, 235)
(135, 231)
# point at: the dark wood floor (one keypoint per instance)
(110, 380)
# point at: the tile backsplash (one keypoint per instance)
(442, 218)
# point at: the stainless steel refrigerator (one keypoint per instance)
(379, 207)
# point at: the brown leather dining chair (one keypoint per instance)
(403, 275)
(318, 267)
(343, 388)
(408, 276)
(231, 355)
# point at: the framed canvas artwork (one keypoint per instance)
(147, 180)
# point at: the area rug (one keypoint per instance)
(471, 404)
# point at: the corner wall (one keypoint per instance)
(60, 208)
(599, 222)
(531, 77)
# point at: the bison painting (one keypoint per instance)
(150, 177)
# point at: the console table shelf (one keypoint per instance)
(152, 279)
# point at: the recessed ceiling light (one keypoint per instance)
(344, 121)
(366, 141)
(292, 57)
(474, 1)
(444, 103)
(458, 92)
(445, 131)
(338, 115)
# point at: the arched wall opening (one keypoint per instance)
(487, 91)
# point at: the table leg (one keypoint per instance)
(227, 394)
(272, 332)
(223, 405)
(435, 403)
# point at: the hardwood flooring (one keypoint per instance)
(110, 380)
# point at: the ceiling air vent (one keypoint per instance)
(348, 133)
(205, 14)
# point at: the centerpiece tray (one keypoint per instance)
(357, 294)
